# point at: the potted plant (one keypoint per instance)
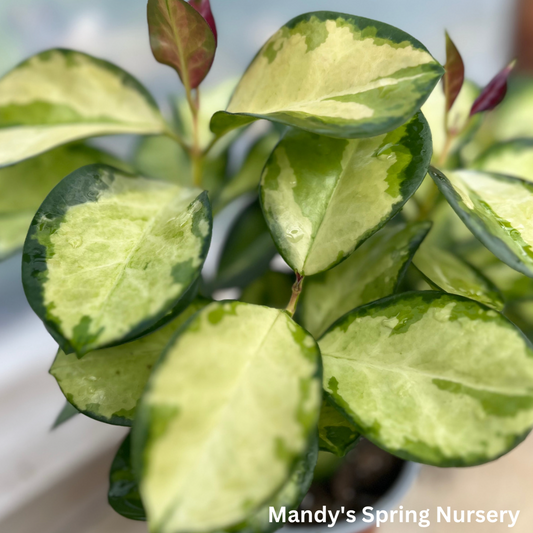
(229, 401)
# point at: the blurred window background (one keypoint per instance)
(55, 482)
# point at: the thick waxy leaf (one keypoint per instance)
(374, 271)
(447, 272)
(337, 433)
(494, 93)
(107, 384)
(60, 96)
(434, 110)
(273, 289)
(247, 252)
(182, 38)
(289, 496)
(336, 75)
(108, 255)
(323, 197)
(247, 178)
(454, 75)
(513, 158)
(68, 412)
(231, 406)
(123, 495)
(432, 377)
(24, 186)
(497, 209)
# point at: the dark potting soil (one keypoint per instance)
(358, 481)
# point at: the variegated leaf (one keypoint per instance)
(232, 405)
(497, 209)
(59, 96)
(123, 495)
(107, 384)
(435, 110)
(337, 433)
(24, 186)
(334, 74)
(447, 272)
(432, 377)
(108, 255)
(372, 272)
(323, 197)
(289, 496)
(181, 38)
(513, 158)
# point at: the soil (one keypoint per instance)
(357, 481)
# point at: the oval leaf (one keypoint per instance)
(231, 406)
(432, 377)
(374, 271)
(447, 272)
(123, 495)
(107, 384)
(513, 158)
(108, 255)
(323, 197)
(497, 209)
(60, 96)
(181, 38)
(24, 186)
(337, 433)
(311, 74)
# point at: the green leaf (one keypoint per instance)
(289, 496)
(59, 96)
(108, 255)
(497, 209)
(337, 433)
(107, 384)
(68, 412)
(311, 75)
(513, 158)
(447, 272)
(24, 186)
(181, 38)
(324, 197)
(246, 180)
(123, 495)
(273, 289)
(432, 377)
(247, 251)
(435, 110)
(231, 406)
(374, 271)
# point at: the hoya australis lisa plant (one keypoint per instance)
(229, 401)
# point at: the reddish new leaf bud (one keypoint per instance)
(493, 94)
(455, 73)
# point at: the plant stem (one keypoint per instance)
(296, 291)
(196, 150)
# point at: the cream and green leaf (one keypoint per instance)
(108, 255)
(512, 158)
(24, 186)
(336, 432)
(372, 272)
(497, 209)
(334, 74)
(432, 377)
(229, 410)
(447, 272)
(323, 197)
(107, 384)
(59, 96)
(123, 495)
